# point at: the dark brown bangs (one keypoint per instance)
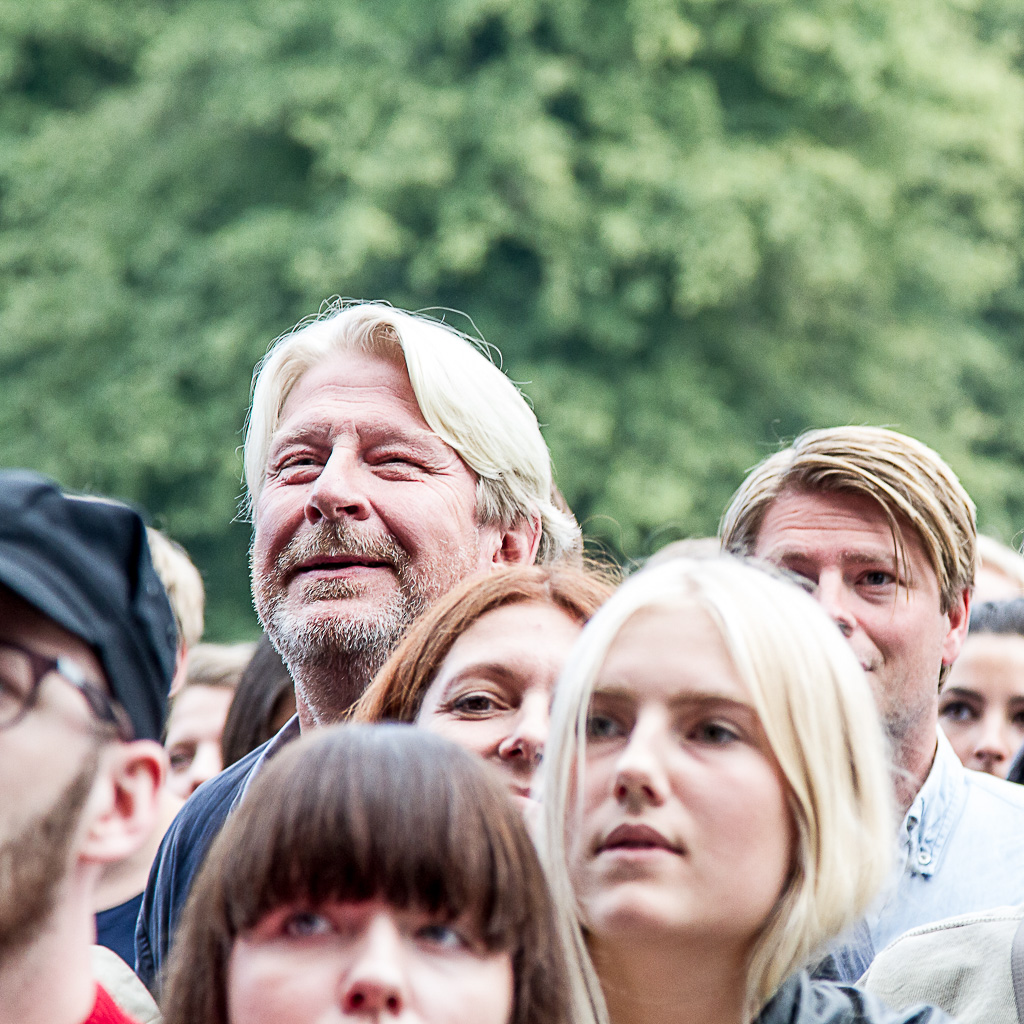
(388, 812)
(362, 811)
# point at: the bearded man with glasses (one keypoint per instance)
(87, 645)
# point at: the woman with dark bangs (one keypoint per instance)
(372, 873)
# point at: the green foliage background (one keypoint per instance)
(693, 227)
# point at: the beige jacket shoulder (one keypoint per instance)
(123, 986)
(961, 964)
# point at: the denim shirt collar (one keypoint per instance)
(930, 819)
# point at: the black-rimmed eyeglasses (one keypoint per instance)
(22, 672)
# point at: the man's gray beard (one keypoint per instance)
(34, 864)
(333, 659)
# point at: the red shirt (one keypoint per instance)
(106, 1011)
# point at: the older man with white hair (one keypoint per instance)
(386, 459)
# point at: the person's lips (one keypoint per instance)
(636, 837)
(340, 562)
(332, 551)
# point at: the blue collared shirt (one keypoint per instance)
(961, 849)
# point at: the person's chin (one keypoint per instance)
(634, 908)
(523, 800)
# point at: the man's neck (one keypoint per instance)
(913, 758)
(49, 980)
(323, 694)
(668, 983)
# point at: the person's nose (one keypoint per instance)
(525, 742)
(993, 747)
(340, 489)
(374, 984)
(834, 596)
(205, 764)
(640, 776)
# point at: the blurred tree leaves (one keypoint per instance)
(695, 227)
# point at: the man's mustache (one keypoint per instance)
(329, 539)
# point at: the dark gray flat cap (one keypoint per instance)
(85, 563)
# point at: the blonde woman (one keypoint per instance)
(717, 803)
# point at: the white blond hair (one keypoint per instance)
(464, 398)
(819, 717)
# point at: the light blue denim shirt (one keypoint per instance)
(961, 845)
(961, 849)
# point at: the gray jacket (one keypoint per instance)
(803, 1001)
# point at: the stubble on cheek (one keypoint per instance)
(34, 863)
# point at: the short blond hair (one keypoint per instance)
(465, 399)
(218, 665)
(819, 718)
(999, 558)
(905, 477)
(183, 584)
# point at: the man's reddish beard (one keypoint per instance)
(336, 539)
(35, 862)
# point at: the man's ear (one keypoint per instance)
(124, 800)
(959, 616)
(519, 542)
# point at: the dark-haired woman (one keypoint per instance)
(372, 873)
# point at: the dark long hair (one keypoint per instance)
(357, 812)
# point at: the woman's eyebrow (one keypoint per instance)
(960, 691)
(495, 670)
(619, 693)
(709, 696)
(712, 698)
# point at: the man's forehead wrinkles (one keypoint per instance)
(323, 429)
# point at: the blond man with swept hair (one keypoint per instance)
(886, 532)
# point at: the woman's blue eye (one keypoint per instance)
(442, 935)
(879, 578)
(602, 727)
(715, 733)
(304, 923)
(958, 711)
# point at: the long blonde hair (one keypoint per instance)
(819, 717)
